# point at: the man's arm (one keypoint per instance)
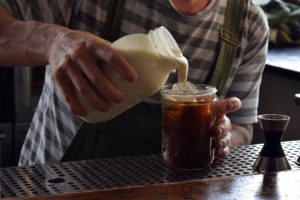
(73, 57)
(23, 43)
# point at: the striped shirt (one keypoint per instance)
(53, 127)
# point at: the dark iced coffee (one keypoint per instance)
(187, 120)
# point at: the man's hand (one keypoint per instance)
(75, 59)
(223, 130)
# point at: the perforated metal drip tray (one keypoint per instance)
(125, 171)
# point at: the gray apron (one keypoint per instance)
(134, 132)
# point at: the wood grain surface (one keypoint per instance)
(281, 185)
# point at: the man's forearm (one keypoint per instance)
(24, 43)
(241, 134)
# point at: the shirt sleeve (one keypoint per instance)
(53, 11)
(247, 81)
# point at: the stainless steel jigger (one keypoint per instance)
(271, 157)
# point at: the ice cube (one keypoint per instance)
(184, 91)
(186, 88)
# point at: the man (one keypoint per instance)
(66, 36)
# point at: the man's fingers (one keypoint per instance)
(222, 126)
(117, 61)
(68, 93)
(223, 153)
(97, 79)
(221, 132)
(222, 107)
(77, 71)
(222, 149)
(84, 87)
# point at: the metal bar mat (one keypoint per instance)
(125, 171)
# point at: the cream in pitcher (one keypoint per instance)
(154, 56)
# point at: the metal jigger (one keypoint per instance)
(271, 157)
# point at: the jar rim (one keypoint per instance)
(200, 89)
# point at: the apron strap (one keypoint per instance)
(112, 26)
(230, 42)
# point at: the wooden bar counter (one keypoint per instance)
(147, 177)
(282, 185)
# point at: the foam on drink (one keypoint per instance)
(188, 92)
